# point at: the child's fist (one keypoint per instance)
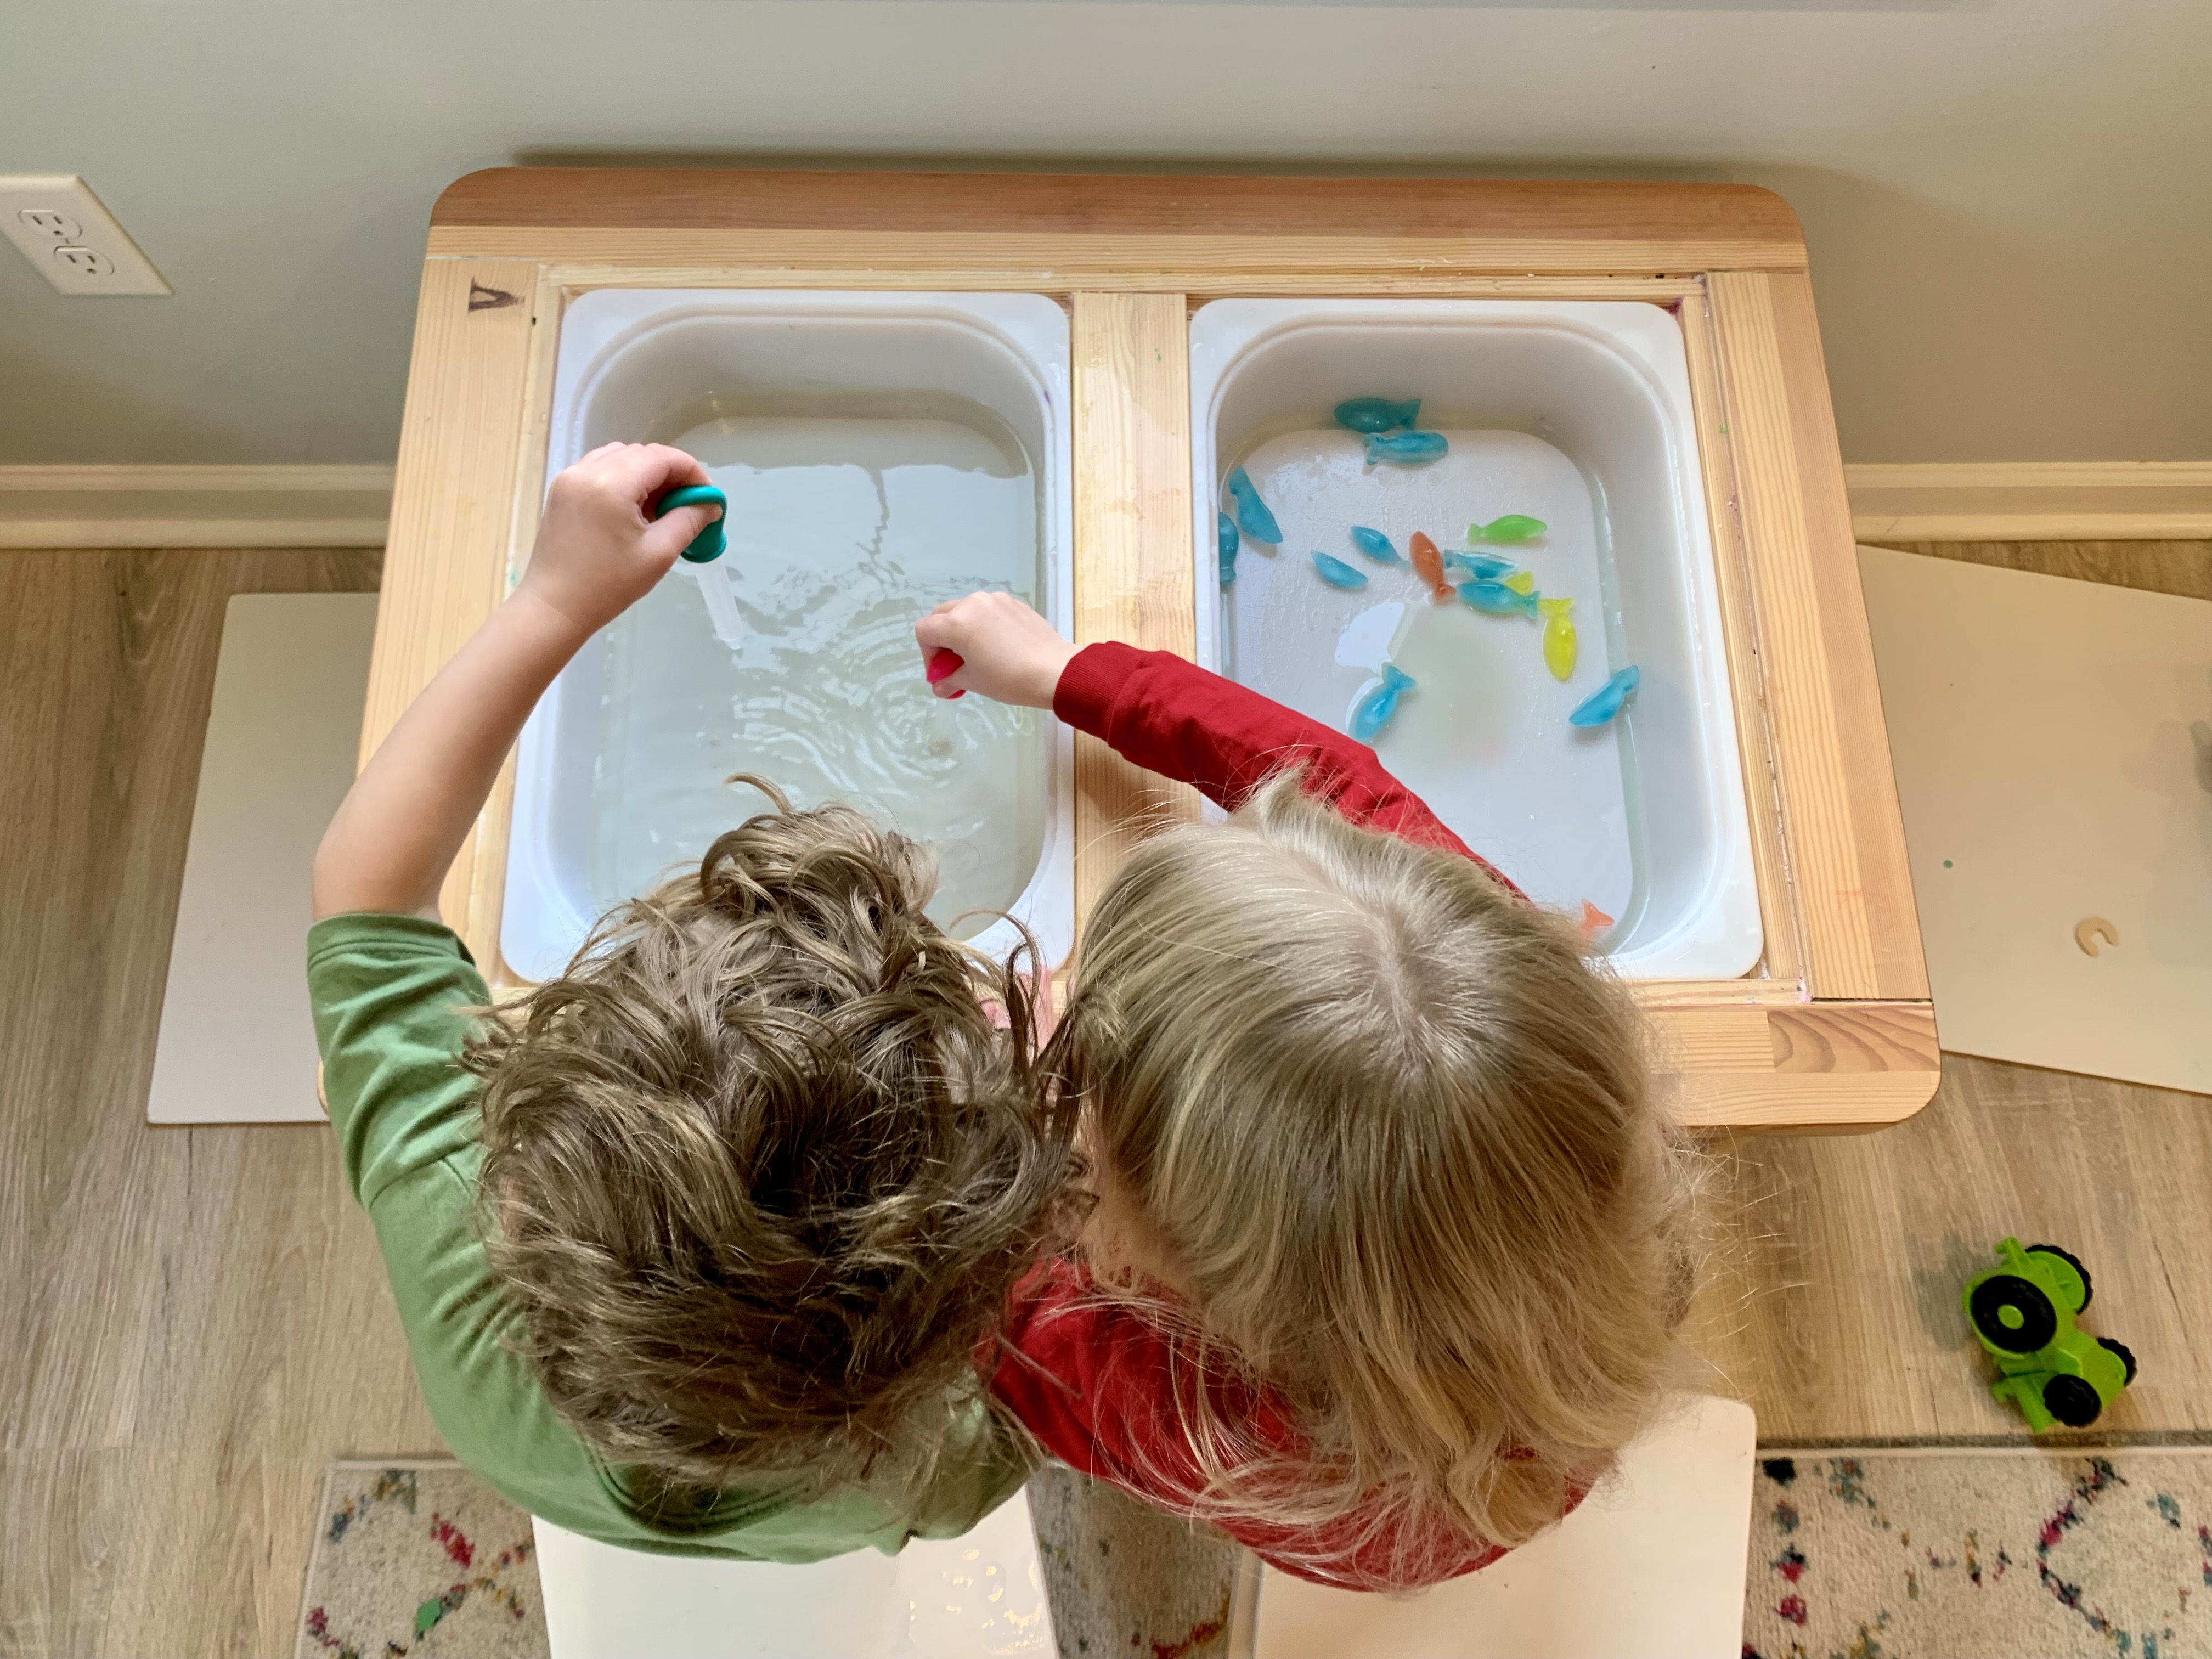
(1008, 652)
(600, 549)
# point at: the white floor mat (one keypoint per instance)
(1652, 1566)
(235, 1044)
(2052, 782)
(939, 1598)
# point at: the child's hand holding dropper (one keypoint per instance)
(1007, 651)
(598, 553)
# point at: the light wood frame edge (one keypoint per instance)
(1742, 1097)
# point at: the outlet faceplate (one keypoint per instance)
(74, 242)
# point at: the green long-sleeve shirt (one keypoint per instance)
(389, 995)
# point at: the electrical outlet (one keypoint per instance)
(75, 242)
(50, 225)
(89, 262)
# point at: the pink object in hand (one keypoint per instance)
(941, 664)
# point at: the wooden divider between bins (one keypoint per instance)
(1133, 559)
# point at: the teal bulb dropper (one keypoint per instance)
(706, 546)
(714, 582)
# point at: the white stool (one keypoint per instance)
(956, 1598)
(1651, 1565)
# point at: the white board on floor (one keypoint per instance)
(2049, 779)
(1652, 1566)
(236, 1045)
(939, 1598)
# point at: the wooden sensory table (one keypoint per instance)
(1832, 1030)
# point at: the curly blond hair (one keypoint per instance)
(1397, 1135)
(760, 1169)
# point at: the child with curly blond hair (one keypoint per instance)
(694, 1244)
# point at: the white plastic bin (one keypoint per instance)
(883, 451)
(1577, 413)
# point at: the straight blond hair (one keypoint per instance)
(1398, 1135)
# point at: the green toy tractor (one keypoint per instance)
(2022, 1310)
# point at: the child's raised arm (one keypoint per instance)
(1170, 716)
(598, 553)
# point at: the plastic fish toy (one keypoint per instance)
(1337, 573)
(1380, 707)
(1225, 537)
(1374, 544)
(1513, 527)
(1558, 636)
(1429, 564)
(1376, 414)
(1497, 599)
(1602, 704)
(1521, 581)
(1405, 448)
(1486, 566)
(1252, 515)
(1595, 922)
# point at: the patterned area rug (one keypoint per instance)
(1890, 1554)
(416, 1559)
(1997, 1554)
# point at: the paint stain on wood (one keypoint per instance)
(490, 299)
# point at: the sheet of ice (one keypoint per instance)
(1485, 741)
(841, 531)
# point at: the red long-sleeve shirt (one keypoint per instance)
(1095, 1382)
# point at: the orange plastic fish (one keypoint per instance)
(1429, 564)
(1595, 922)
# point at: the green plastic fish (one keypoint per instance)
(1513, 527)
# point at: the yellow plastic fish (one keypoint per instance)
(1558, 636)
(1521, 582)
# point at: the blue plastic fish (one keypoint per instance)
(1484, 567)
(1405, 448)
(1497, 599)
(1252, 515)
(1379, 707)
(1337, 573)
(1374, 544)
(1226, 535)
(1602, 704)
(1376, 414)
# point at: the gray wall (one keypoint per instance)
(2008, 200)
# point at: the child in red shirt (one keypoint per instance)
(1388, 1244)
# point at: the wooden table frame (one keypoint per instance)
(1832, 1030)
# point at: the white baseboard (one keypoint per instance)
(194, 506)
(348, 506)
(2032, 501)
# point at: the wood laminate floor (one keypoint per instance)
(1835, 1308)
(192, 1322)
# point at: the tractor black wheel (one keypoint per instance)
(2126, 1358)
(2034, 1319)
(2072, 1399)
(2072, 1260)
